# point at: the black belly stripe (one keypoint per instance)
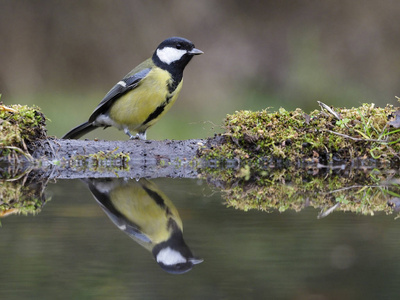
(157, 199)
(155, 113)
(158, 111)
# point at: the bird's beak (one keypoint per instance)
(195, 260)
(195, 51)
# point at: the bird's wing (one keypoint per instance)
(128, 83)
(103, 199)
(125, 225)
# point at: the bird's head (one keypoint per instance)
(175, 52)
(175, 261)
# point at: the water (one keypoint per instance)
(72, 250)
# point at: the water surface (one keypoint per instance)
(71, 250)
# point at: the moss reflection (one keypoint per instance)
(23, 194)
(360, 190)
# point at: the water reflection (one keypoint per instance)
(144, 212)
(71, 251)
(22, 193)
(360, 190)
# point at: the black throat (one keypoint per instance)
(175, 69)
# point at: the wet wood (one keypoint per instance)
(78, 158)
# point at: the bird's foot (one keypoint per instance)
(134, 137)
(141, 136)
(138, 136)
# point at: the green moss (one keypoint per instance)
(286, 159)
(321, 136)
(20, 126)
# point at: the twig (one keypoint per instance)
(330, 110)
(355, 139)
(354, 187)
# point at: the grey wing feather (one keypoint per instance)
(128, 226)
(125, 85)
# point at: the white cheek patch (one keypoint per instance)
(170, 257)
(169, 55)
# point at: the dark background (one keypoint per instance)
(65, 55)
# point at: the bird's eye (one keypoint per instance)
(178, 46)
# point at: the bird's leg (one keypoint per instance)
(138, 136)
(131, 137)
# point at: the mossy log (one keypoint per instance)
(135, 158)
(264, 160)
(255, 140)
(327, 136)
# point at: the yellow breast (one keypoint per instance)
(146, 104)
(137, 206)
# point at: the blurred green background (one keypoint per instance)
(65, 55)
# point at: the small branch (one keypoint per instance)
(355, 139)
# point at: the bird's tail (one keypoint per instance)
(79, 131)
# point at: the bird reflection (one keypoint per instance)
(146, 214)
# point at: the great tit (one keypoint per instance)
(146, 214)
(144, 95)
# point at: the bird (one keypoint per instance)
(147, 215)
(145, 94)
